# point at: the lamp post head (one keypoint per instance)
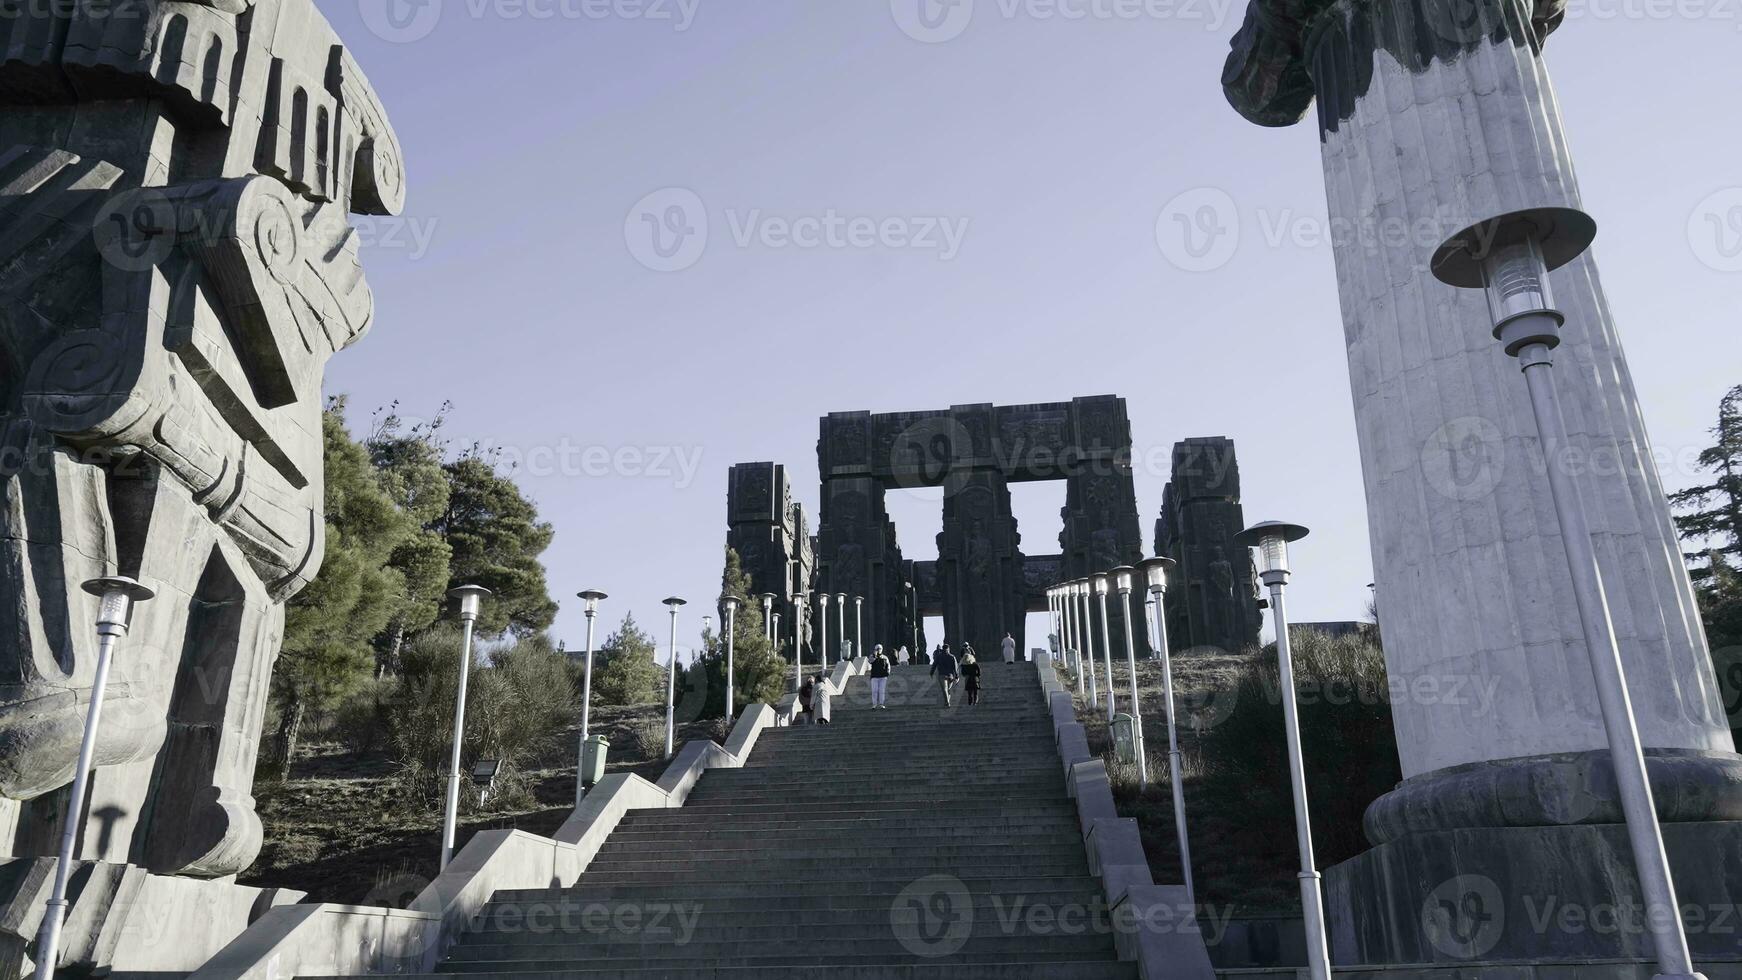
(1155, 572)
(471, 600)
(592, 597)
(841, 599)
(858, 600)
(767, 601)
(1509, 257)
(1098, 582)
(1271, 538)
(674, 603)
(823, 600)
(1121, 577)
(119, 593)
(729, 603)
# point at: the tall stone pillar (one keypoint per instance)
(980, 563)
(1434, 114)
(1213, 600)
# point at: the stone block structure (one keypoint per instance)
(767, 529)
(176, 267)
(1213, 596)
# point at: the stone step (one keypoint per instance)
(797, 888)
(735, 836)
(952, 808)
(818, 952)
(895, 854)
(553, 921)
(610, 870)
(770, 943)
(918, 970)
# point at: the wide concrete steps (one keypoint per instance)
(908, 842)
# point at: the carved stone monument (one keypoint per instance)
(176, 267)
(767, 529)
(1432, 115)
(1213, 600)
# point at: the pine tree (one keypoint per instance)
(496, 538)
(1711, 514)
(625, 671)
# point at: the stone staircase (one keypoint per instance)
(911, 842)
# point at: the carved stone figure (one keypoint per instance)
(176, 267)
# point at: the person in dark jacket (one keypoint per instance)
(971, 676)
(943, 667)
(879, 678)
(805, 693)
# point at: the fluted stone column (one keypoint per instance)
(1435, 114)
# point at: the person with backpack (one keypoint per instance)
(879, 678)
(943, 667)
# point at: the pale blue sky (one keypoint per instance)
(1046, 147)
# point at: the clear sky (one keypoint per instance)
(861, 208)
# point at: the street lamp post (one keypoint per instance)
(1272, 538)
(859, 625)
(840, 630)
(1122, 581)
(117, 595)
(768, 619)
(1086, 636)
(913, 613)
(674, 604)
(800, 606)
(729, 606)
(471, 599)
(823, 604)
(591, 597)
(1067, 602)
(1100, 583)
(1509, 258)
(1155, 576)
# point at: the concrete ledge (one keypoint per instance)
(1155, 926)
(346, 940)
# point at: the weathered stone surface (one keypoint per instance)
(767, 528)
(1212, 599)
(176, 267)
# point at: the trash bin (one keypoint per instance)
(1125, 747)
(593, 759)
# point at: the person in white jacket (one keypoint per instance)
(820, 700)
(902, 657)
(1009, 649)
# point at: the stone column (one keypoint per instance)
(1434, 114)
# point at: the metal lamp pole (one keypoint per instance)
(1509, 257)
(913, 610)
(1085, 633)
(1155, 576)
(1074, 652)
(859, 625)
(592, 598)
(674, 604)
(1271, 538)
(471, 599)
(800, 605)
(729, 606)
(768, 620)
(118, 594)
(1100, 583)
(840, 630)
(1122, 580)
(823, 603)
